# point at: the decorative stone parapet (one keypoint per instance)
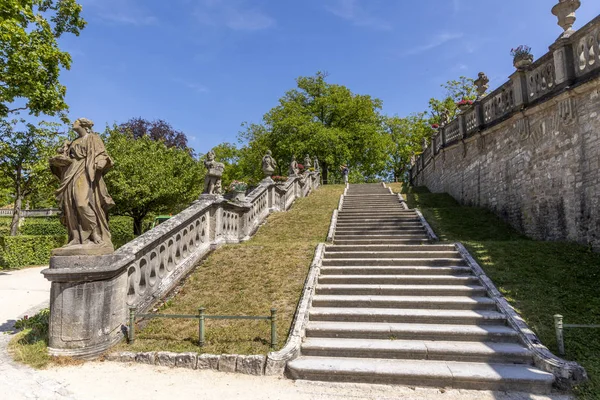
(90, 295)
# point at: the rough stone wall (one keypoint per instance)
(539, 170)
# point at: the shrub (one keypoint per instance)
(121, 229)
(21, 251)
(37, 323)
(40, 227)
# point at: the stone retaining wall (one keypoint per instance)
(530, 150)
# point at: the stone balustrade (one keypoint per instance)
(572, 60)
(90, 295)
(42, 212)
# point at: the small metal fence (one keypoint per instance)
(559, 328)
(201, 316)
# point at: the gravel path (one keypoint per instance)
(25, 292)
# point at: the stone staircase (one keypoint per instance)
(391, 308)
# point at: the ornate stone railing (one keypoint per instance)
(42, 212)
(571, 61)
(90, 295)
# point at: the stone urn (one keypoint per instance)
(239, 195)
(565, 12)
(522, 61)
(464, 105)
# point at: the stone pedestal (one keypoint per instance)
(87, 304)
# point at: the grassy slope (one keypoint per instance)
(540, 279)
(247, 279)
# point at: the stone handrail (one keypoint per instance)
(91, 294)
(42, 212)
(572, 60)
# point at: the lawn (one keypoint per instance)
(539, 279)
(250, 278)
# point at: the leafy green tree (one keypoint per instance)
(149, 177)
(456, 90)
(24, 155)
(407, 136)
(30, 58)
(324, 120)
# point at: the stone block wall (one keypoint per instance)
(533, 159)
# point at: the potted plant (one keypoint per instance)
(464, 104)
(239, 189)
(522, 56)
(280, 180)
(435, 126)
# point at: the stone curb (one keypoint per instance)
(248, 365)
(332, 224)
(567, 373)
(277, 360)
(432, 236)
(341, 202)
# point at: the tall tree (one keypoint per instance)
(148, 176)
(407, 136)
(158, 130)
(456, 90)
(24, 155)
(30, 58)
(324, 120)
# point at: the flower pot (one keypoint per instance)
(464, 107)
(523, 61)
(239, 195)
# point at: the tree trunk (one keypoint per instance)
(14, 225)
(137, 225)
(324, 172)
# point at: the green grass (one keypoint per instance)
(246, 279)
(538, 278)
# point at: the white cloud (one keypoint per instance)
(353, 11)
(437, 41)
(232, 14)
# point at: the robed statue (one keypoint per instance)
(214, 172)
(293, 169)
(82, 195)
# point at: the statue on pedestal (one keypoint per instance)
(268, 164)
(307, 163)
(316, 164)
(214, 172)
(482, 84)
(293, 170)
(82, 195)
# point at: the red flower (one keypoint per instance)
(26, 317)
(300, 166)
(464, 102)
(435, 126)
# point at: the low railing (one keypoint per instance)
(43, 212)
(559, 329)
(201, 317)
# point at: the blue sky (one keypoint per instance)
(206, 66)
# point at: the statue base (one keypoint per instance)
(88, 249)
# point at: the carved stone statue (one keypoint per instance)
(82, 195)
(268, 164)
(214, 172)
(316, 164)
(293, 170)
(482, 83)
(444, 118)
(307, 163)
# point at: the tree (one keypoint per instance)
(30, 59)
(456, 90)
(158, 130)
(407, 136)
(24, 158)
(149, 177)
(324, 120)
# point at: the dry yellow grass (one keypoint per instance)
(249, 278)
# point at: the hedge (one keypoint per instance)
(121, 230)
(21, 251)
(42, 227)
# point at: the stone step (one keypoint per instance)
(488, 352)
(398, 280)
(378, 225)
(472, 317)
(422, 240)
(429, 262)
(379, 238)
(390, 247)
(414, 270)
(382, 231)
(459, 375)
(370, 211)
(386, 330)
(377, 219)
(402, 290)
(428, 302)
(453, 254)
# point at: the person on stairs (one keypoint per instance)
(345, 172)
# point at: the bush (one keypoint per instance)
(40, 227)
(37, 323)
(121, 229)
(21, 251)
